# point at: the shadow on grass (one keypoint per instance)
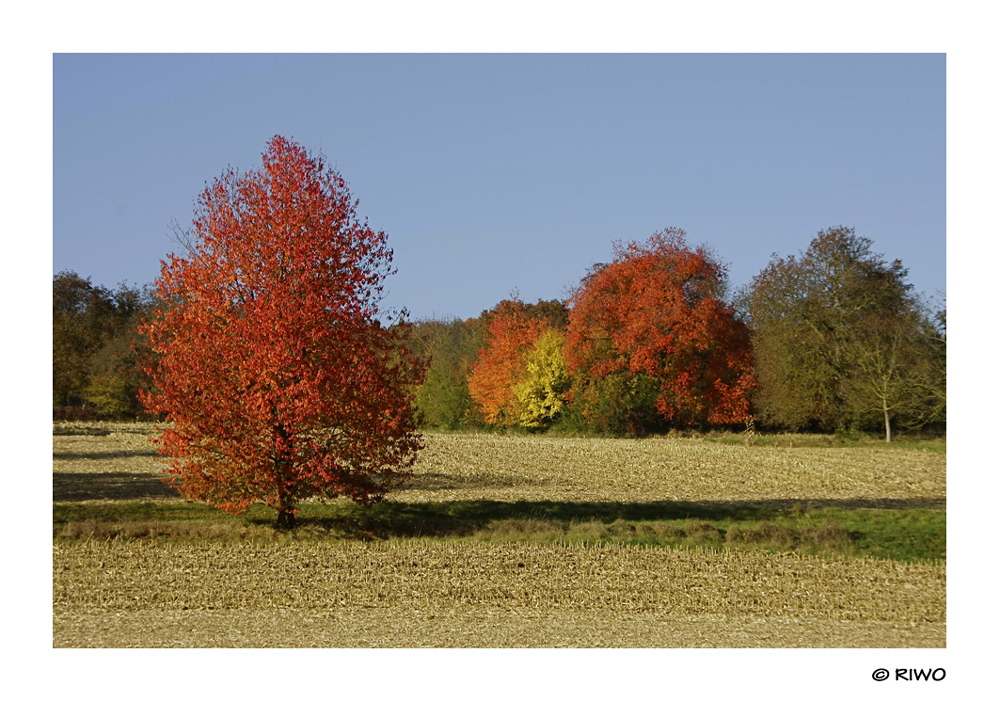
(902, 529)
(75, 487)
(447, 519)
(73, 430)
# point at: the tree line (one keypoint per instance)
(831, 339)
(98, 355)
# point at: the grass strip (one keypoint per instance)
(907, 535)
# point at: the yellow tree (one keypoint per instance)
(540, 394)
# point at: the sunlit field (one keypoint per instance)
(511, 541)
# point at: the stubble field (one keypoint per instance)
(335, 591)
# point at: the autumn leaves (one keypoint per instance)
(521, 375)
(648, 341)
(831, 340)
(277, 379)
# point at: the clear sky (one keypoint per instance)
(499, 172)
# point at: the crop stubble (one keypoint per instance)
(494, 467)
(512, 468)
(139, 593)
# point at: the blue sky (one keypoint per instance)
(499, 172)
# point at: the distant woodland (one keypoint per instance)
(832, 339)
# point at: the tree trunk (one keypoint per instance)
(286, 519)
(286, 487)
(888, 431)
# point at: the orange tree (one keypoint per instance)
(276, 377)
(652, 324)
(502, 361)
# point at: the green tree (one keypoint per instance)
(450, 350)
(97, 351)
(618, 403)
(897, 373)
(83, 317)
(828, 328)
(117, 370)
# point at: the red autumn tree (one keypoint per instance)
(655, 318)
(276, 377)
(502, 360)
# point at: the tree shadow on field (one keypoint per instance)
(462, 518)
(75, 487)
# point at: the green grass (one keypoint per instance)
(910, 535)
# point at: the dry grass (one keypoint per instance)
(98, 460)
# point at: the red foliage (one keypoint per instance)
(656, 310)
(279, 381)
(512, 332)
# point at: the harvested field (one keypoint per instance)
(99, 461)
(489, 466)
(472, 627)
(123, 465)
(426, 593)
(671, 594)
